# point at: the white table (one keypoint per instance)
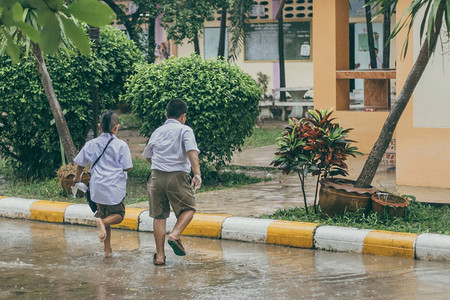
(297, 94)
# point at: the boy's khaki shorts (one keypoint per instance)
(169, 187)
(104, 211)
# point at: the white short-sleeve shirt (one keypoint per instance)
(108, 183)
(168, 146)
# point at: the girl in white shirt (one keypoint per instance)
(108, 177)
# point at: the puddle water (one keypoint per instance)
(52, 261)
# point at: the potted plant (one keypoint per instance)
(386, 203)
(65, 175)
(314, 145)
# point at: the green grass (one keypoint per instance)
(50, 189)
(418, 218)
(262, 137)
(129, 121)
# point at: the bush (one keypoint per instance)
(222, 101)
(118, 56)
(27, 136)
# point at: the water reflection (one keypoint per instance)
(48, 261)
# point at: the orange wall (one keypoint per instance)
(331, 48)
(423, 154)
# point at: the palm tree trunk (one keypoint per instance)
(373, 58)
(281, 54)
(386, 34)
(60, 121)
(223, 27)
(378, 150)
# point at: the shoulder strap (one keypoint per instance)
(93, 165)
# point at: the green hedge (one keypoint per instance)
(27, 137)
(222, 101)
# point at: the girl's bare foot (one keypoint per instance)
(108, 252)
(101, 230)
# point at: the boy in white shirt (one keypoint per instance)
(172, 151)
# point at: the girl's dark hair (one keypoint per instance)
(108, 120)
(176, 108)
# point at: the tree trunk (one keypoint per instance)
(130, 25)
(281, 55)
(386, 34)
(151, 43)
(373, 58)
(378, 150)
(60, 121)
(223, 27)
(94, 35)
(196, 44)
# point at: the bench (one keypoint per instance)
(285, 106)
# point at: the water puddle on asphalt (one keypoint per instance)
(52, 261)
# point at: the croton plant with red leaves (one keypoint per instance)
(315, 145)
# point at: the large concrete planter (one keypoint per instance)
(338, 195)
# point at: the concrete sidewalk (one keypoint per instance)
(294, 234)
(284, 191)
(384, 179)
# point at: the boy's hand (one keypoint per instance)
(196, 182)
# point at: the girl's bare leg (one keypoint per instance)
(107, 242)
(104, 226)
(101, 230)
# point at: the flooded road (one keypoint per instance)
(52, 261)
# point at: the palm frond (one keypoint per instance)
(238, 16)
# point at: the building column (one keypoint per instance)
(331, 53)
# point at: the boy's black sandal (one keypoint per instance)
(158, 263)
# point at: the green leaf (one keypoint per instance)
(76, 35)
(55, 4)
(38, 4)
(7, 15)
(93, 12)
(432, 20)
(51, 36)
(11, 48)
(422, 26)
(447, 14)
(17, 12)
(44, 16)
(29, 30)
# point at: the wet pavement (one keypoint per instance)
(53, 261)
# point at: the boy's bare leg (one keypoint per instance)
(182, 222)
(159, 232)
(104, 226)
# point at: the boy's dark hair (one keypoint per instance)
(108, 120)
(176, 108)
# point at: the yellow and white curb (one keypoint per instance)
(340, 239)
(294, 234)
(431, 246)
(245, 229)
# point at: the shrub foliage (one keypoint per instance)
(222, 101)
(27, 136)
